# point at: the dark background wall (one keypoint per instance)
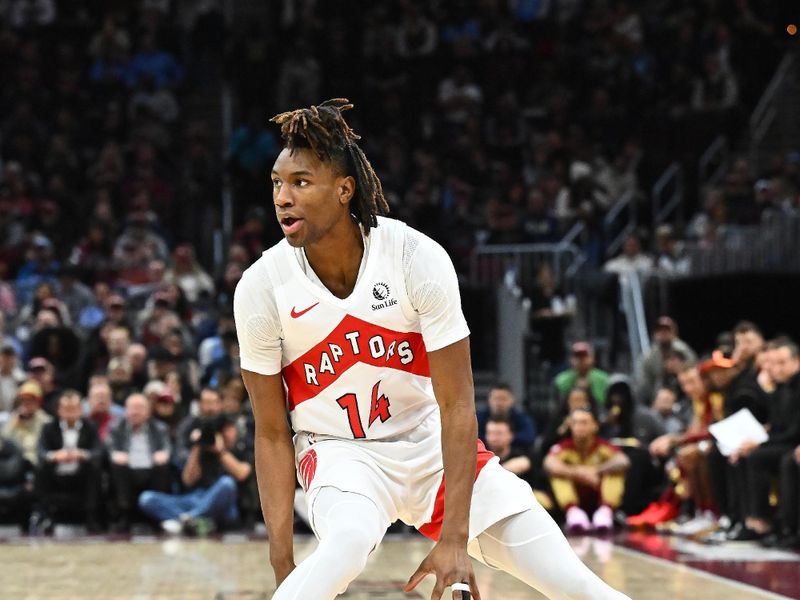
(705, 307)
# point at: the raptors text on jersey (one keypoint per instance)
(355, 367)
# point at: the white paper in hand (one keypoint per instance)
(740, 427)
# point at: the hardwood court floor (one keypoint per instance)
(237, 569)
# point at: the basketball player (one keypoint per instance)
(353, 323)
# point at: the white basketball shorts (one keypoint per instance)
(404, 477)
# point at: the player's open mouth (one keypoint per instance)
(290, 224)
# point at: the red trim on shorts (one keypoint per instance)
(308, 467)
(433, 528)
(294, 374)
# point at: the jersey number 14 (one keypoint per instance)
(379, 409)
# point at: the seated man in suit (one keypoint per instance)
(140, 452)
(69, 457)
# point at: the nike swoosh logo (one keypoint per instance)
(295, 313)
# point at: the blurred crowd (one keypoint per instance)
(118, 358)
(503, 122)
(488, 122)
(639, 452)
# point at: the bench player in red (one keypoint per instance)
(353, 324)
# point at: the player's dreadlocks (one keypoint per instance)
(323, 129)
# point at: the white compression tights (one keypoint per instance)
(529, 546)
(349, 527)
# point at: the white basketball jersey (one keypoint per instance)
(356, 367)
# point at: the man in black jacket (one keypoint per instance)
(742, 391)
(140, 453)
(69, 457)
(15, 493)
(762, 461)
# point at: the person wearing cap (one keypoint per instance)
(140, 453)
(70, 453)
(583, 374)
(11, 376)
(651, 373)
(26, 421)
(41, 371)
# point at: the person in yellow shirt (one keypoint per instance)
(587, 475)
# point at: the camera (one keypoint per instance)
(209, 428)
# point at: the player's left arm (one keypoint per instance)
(432, 286)
(451, 375)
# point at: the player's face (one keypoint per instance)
(310, 197)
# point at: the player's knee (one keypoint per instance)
(354, 543)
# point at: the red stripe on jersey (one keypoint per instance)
(433, 528)
(351, 342)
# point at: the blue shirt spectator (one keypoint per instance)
(500, 402)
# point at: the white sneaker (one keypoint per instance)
(603, 519)
(172, 526)
(703, 522)
(578, 520)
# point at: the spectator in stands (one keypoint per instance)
(11, 377)
(58, 343)
(551, 312)
(136, 355)
(74, 294)
(762, 461)
(159, 64)
(227, 366)
(120, 378)
(670, 257)
(16, 494)
(667, 411)
(26, 421)
(501, 403)
(140, 454)
(42, 372)
(631, 259)
(587, 475)
(691, 446)
(500, 440)
(651, 373)
(211, 474)
(209, 408)
(41, 267)
(583, 374)
(716, 89)
(101, 411)
(631, 426)
(69, 460)
(788, 534)
(189, 275)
